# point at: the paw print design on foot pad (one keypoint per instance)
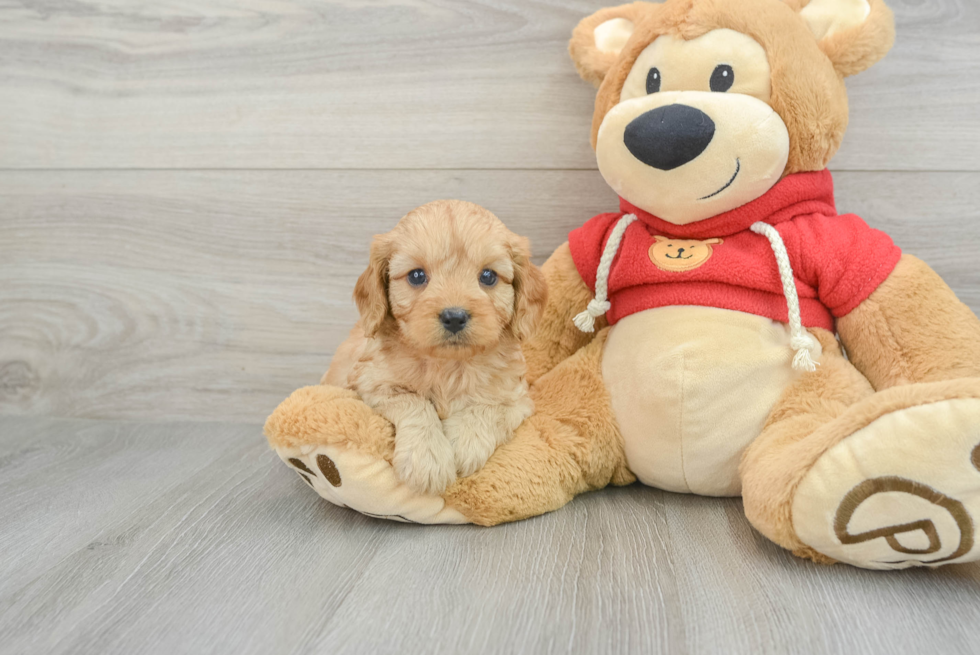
(902, 491)
(348, 478)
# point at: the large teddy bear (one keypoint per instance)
(689, 339)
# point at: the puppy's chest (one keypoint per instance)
(453, 390)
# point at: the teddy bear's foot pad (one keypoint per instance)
(349, 478)
(902, 491)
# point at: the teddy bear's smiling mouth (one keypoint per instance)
(738, 167)
(679, 256)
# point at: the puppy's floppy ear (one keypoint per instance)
(854, 34)
(598, 40)
(371, 290)
(530, 290)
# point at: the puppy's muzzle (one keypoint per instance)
(669, 137)
(454, 319)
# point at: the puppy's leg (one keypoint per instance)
(423, 455)
(476, 430)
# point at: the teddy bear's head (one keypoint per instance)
(704, 105)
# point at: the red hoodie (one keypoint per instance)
(837, 261)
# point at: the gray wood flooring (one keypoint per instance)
(187, 192)
(191, 538)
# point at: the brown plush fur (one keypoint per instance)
(810, 419)
(857, 49)
(556, 337)
(590, 62)
(325, 415)
(913, 328)
(776, 462)
(571, 445)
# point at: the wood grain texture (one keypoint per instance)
(144, 286)
(212, 295)
(193, 538)
(396, 84)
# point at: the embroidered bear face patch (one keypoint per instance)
(677, 255)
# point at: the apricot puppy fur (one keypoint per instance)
(447, 299)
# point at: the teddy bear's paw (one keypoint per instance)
(365, 483)
(901, 491)
(322, 414)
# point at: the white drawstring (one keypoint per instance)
(800, 340)
(599, 305)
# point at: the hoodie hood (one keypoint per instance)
(794, 195)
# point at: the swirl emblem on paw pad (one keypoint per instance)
(862, 492)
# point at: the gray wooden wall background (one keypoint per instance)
(188, 189)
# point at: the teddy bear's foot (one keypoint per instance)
(348, 478)
(343, 450)
(903, 488)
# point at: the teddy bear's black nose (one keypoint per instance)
(668, 137)
(454, 319)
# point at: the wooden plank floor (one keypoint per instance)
(192, 538)
(187, 192)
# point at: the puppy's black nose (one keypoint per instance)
(668, 137)
(454, 319)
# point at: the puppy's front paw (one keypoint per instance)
(473, 442)
(425, 462)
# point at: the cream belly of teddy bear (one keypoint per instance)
(691, 388)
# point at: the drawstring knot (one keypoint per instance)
(600, 305)
(807, 348)
(586, 320)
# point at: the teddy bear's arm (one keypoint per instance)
(556, 337)
(912, 329)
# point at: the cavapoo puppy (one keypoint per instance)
(447, 299)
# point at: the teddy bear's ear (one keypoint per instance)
(854, 34)
(598, 40)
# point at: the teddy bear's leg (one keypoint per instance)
(570, 445)
(775, 462)
(886, 479)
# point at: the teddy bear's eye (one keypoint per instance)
(653, 80)
(417, 277)
(723, 78)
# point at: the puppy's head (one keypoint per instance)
(450, 281)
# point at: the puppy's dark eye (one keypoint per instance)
(417, 277)
(488, 278)
(723, 78)
(653, 80)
